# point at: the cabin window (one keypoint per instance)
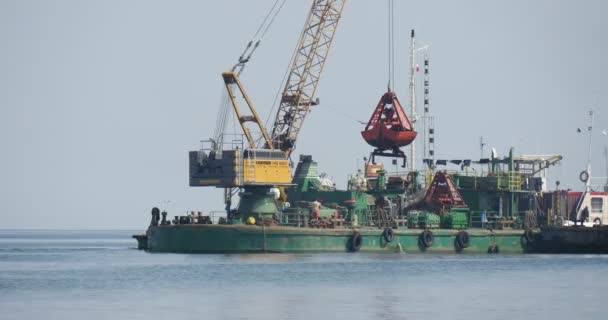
(597, 205)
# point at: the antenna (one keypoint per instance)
(413, 96)
(481, 145)
(586, 173)
(606, 162)
(428, 121)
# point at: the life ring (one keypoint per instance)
(529, 236)
(462, 240)
(584, 176)
(355, 242)
(426, 237)
(493, 248)
(389, 235)
(597, 221)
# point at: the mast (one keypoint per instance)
(588, 170)
(413, 97)
(590, 129)
(606, 163)
(427, 119)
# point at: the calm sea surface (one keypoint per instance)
(100, 275)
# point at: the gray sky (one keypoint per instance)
(100, 101)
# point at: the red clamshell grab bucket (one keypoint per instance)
(389, 127)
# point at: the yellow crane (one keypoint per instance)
(267, 162)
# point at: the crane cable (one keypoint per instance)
(344, 114)
(259, 34)
(391, 43)
(224, 109)
(271, 19)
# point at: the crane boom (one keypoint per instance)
(232, 82)
(268, 164)
(306, 68)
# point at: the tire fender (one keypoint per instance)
(462, 240)
(529, 236)
(356, 240)
(426, 238)
(388, 235)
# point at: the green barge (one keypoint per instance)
(451, 213)
(495, 208)
(276, 239)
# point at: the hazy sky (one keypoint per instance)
(100, 101)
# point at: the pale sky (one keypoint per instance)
(100, 101)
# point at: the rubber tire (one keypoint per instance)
(389, 235)
(426, 238)
(584, 176)
(597, 221)
(355, 242)
(462, 240)
(493, 249)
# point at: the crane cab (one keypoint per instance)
(237, 167)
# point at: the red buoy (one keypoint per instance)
(389, 127)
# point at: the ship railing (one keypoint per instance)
(215, 216)
(198, 217)
(293, 220)
(470, 172)
(514, 181)
(494, 220)
(505, 180)
(466, 173)
(300, 221)
(476, 219)
(249, 170)
(226, 141)
(510, 180)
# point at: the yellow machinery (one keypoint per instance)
(238, 168)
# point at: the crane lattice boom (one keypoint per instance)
(307, 65)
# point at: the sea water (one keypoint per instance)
(101, 275)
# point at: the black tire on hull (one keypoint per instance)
(426, 238)
(389, 235)
(493, 248)
(355, 242)
(462, 240)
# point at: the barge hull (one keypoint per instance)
(247, 239)
(572, 240)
